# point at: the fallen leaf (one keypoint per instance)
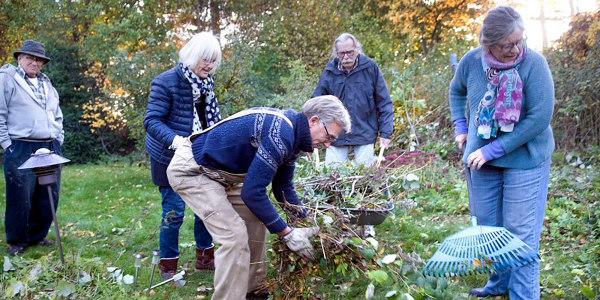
(128, 279)
(388, 259)
(85, 277)
(64, 289)
(390, 293)
(373, 242)
(8, 265)
(370, 291)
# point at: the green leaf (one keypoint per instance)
(368, 253)
(64, 289)
(379, 276)
(587, 292)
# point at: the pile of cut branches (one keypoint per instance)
(347, 188)
(341, 251)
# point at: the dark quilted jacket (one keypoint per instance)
(169, 113)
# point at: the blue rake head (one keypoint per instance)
(478, 250)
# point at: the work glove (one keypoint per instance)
(298, 240)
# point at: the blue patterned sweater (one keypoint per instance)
(265, 148)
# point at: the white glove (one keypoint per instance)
(176, 142)
(298, 241)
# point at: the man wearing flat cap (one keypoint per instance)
(30, 119)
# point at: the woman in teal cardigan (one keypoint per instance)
(509, 93)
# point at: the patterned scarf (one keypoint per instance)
(39, 91)
(500, 106)
(203, 87)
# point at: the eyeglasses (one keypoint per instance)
(350, 53)
(507, 47)
(330, 138)
(34, 58)
(209, 61)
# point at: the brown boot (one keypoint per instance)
(205, 258)
(168, 267)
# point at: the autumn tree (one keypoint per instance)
(427, 23)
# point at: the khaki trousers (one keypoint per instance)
(214, 196)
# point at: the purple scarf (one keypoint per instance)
(500, 107)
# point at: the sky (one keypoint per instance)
(557, 13)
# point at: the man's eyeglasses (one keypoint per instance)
(34, 58)
(350, 53)
(330, 138)
(507, 47)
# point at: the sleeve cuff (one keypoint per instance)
(492, 151)
(276, 226)
(460, 126)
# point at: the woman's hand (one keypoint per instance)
(460, 140)
(476, 159)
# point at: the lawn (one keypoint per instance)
(110, 211)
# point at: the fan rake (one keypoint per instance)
(479, 249)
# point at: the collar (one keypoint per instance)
(40, 76)
(303, 138)
(341, 68)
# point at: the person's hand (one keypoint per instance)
(460, 140)
(298, 240)
(384, 143)
(476, 159)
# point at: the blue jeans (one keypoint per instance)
(173, 209)
(516, 200)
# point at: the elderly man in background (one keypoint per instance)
(30, 119)
(357, 80)
(257, 148)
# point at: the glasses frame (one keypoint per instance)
(34, 58)
(330, 138)
(350, 53)
(505, 48)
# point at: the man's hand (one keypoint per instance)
(298, 240)
(460, 140)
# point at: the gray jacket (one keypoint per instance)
(21, 116)
(365, 94)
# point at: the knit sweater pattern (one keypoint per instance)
(265, 148)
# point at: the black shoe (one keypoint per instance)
(45, 243)
(481, 293)
(258, 294)
(15, 250)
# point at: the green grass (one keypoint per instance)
(109, 212)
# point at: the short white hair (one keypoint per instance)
(203, 45)
(329, 109)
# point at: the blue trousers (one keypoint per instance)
(173, 210)
(516, 200)
(28, 214)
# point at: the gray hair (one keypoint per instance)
(342, 38)
(498, 24)
(329, 109)
(203, 45)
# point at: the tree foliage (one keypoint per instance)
(427, 23)
(575, 67)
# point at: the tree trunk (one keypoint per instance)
(543, 23)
